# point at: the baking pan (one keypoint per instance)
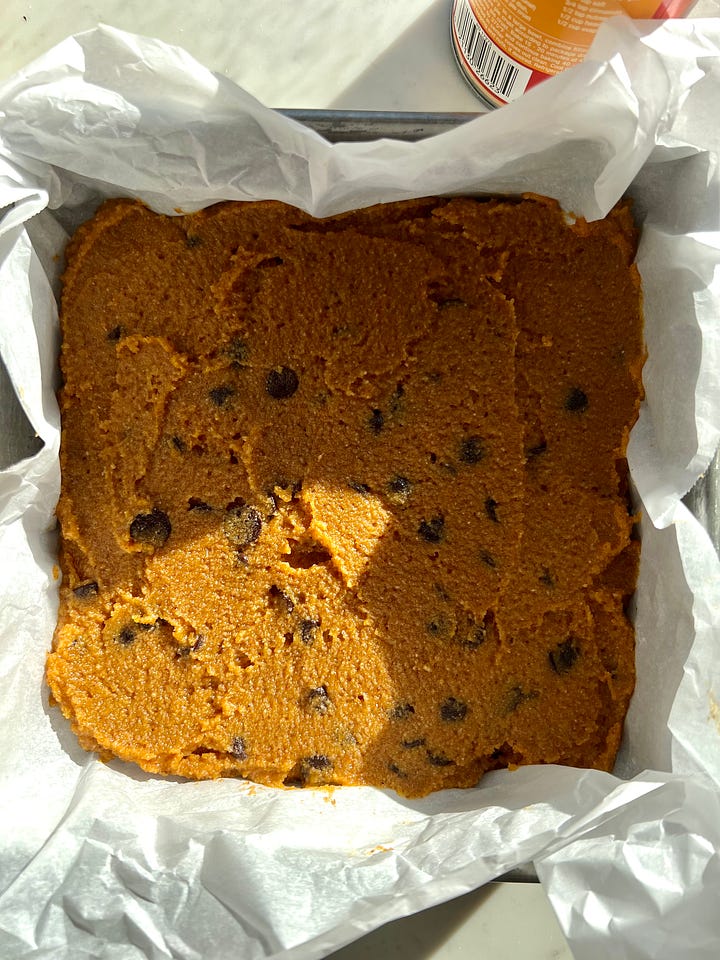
(17, 439)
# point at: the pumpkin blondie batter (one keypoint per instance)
(344, 501)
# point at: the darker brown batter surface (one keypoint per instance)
(344, 501)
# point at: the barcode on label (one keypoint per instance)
(501, 74)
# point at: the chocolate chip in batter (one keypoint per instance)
(153, 528)
(308, 630)
(401, 711)
(412, 744)
(179, 444)
(438, 626)
(85, 591)
(537, 450)
(129, 632)
(399, 490)
(491, 509)
(219, 396)
(281, 383)
(183, 652)
(318, 761)
(238, 748)
(195, 503)
(472, 450)
(396, 399)
(517, 696)
(547, 579)
(453, 710)
(242, 525)
(362, 488)
(281, 601)
(487, 558)
(439, 759)
(394, 768)
(319, 700)
(441, 592)
(564, 656)
(473, 636)
(192, 240)
(432, 530)
(238, 351)
(115, 334)
(126, 636)
(576, 400)
(376, 421)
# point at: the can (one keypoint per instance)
(505, 48)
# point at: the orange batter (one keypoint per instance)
(344, 501)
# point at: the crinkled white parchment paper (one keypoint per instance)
(100, 860)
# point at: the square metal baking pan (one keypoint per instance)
(17, 439)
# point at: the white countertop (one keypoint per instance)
(374, 55)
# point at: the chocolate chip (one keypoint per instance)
(319, 700)
(179, 444)
(517, 696)
(318, 761)
(242, 525)
(432, 530)
(441, 592)
(308, 630)
(376, 421)
(487, 558)
(238, 351)
(129, 632)
(437, 627)
(576, 400)
(472, 450)
(271, 262)
(238, 748)
(282, 601)
(86, 590)
(220, 395)
(439, 759)
(126, 636)
(396, 399)
(192, 240)
(401, 711)
(412, 744)
(475, 637)
(153, 528)
(195, 503)
(490, 509)
(394, 768)
(281, 383)
(453, 710)
(547, 578)
(450, 302)
(537, 450)
(399, 490)
(362, 488)
(185, 651)
(115, 334)
(564, 656)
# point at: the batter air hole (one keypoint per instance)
(305, 554)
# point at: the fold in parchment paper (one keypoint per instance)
(101, 860)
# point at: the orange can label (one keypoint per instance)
(505, 48)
